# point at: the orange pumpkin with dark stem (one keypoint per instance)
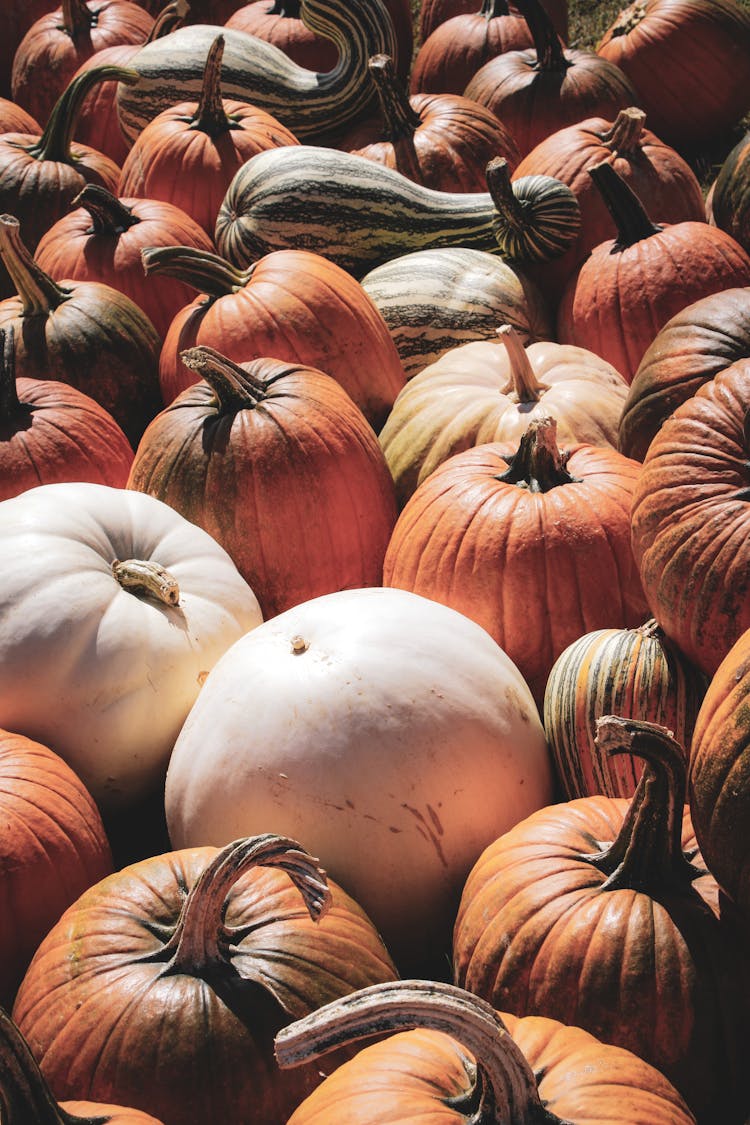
(189, 153)
(432, 13)
(163, 986)
(690, 520)
(52, 848)
(466, 1063)
(291, 304)
(531, 543)
(629, 287)
(600, 912)
(102, 239)
(277, 463)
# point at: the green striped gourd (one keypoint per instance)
(361, 214)
(631, 673)
(435, 300)
(312, 105)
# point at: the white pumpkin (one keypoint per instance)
(99, 671)
(388, 734)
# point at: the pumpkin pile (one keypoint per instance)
(375, 614)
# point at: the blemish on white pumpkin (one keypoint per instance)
(299, 645)
(202, 677)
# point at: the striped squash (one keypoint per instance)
(310, 104)
(436, 300)
(633, 673)
(361, 214)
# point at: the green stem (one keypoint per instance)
(400, 119)
(109, 215)
(203, 270)
(210, 116)
(38, 292)
(491, 9)
(76, 19)
(235, 388)
(54, 143)
(505, 200)
(626, 209)
(549, 50)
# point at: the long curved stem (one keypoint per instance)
(55, 141)
(38, 292)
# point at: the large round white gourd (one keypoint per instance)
(390, 735)
(104, 673)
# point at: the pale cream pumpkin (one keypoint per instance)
(489, 391)
(99, 662)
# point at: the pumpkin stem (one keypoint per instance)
(9, 402)
(207, 272)
(38, 292)
(55, 141)
(109, 215)
(491, 9)
(235, 388)
(24, 1094)
(647, 853)
(507, 1086)
(626, 209)
(210, 117)
(522, 385)
(172, 16)
(625, 135)
(550, 55)
(500, 188)
(147, 579)
(538, 464)
(400, 119)
(288, 8)
(77, 20)
(200, 936)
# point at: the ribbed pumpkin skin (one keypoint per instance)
(72, 249)
(48, 55)
(691, 348)
(295, 488)
(432, 13)
(467, 398)
(537, 933)
(448, 60)
(448, 151)
(186, 166)
(616, 302)
(731, 198)
(536, 570)
(52, 848)
(689, 61)
(14, 119)
(107, 1026)
(534, 103)
(434, 300)
(301, 308)
(633, 673)
(690, 520)
(60, 434)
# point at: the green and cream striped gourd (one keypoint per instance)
(632, 673)
(361, 214)
(435, 300)
(312, 105)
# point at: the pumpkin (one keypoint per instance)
(293, 305)
(52, 847)
(18, 16)
(163, 985)
(280, 467)
(102, 239)
(56, 44)
(490, 392)
(313, 105)
(434, 300)
(82, 333)
(730, 202)
(25, 1095)
(634, 673)
(535, 92)
(692, 347)
(452, 54)
(432, 13)
(689, 61)
(530, 541)
(113, 610)
(50, 432)
(442, 141)
(14, 119)
(661, 178)
(464, 1062)
(690, 520)
(188, 154)
(374, 746)
(630, 286)
(600, 912)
